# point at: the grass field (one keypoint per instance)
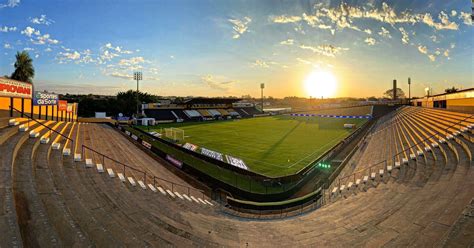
(272, 146)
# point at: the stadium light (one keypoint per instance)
(137, 76)
(409, 90)
(262, 86)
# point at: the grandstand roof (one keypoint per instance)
(203, 100)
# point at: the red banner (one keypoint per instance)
(13, 88)
(62, 105)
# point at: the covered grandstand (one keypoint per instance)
(200, 109)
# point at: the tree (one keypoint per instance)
(451, 90)
(24, 70)
(389, 93)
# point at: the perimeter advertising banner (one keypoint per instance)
(62, 105)
(44, 98)
(13, 88)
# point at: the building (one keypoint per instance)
(460, 101)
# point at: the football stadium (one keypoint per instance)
(202, 153)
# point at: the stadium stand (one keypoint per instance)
(47, 199)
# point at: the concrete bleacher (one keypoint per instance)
(48, 199)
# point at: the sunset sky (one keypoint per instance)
(223, 48)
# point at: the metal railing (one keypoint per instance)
(50, 129)
(383, 164)
(146, 177)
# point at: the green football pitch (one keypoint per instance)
(273, 146)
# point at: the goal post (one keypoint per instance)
(176, 134)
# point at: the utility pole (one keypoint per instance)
(262, 86)
(137, 76)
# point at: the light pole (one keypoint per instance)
(409, 90)
(262, 86)
(137, 76)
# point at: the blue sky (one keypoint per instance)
(221, 48)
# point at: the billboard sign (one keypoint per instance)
(43, 98)
(13, 88)
(69, 107)
(62, 105)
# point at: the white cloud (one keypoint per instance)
(370, 41)
(7, 46)
(44, 39)
(405, 38)
(432, 57)
(368, 31)
(454, 12)
(171, 56)
(423, 49)
(29, 31)
(287, 42)
(28, 49)
(466, 18)
(326, 50)
(117, 49)
(48, 49)
(240, 26)
(10, 4)
(42, 20)
(452, 45)
(37, 56)
(120, 75)
(285, 19)
(343, 16)
(132, 61)
(214, 83)
(6, 29)
(385, 33)
(434, 38)
(260, 63)
(73, 56)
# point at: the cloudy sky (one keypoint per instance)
(221, 48)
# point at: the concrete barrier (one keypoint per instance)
(89, 163)
(162, 190)
(131, 181)
(179, 195)
(142, 184)
(44, 140)
(121, 177)
(77, 157)
(187, 197)
(66, 152)
(170, 193)
(100, 168)
(152, 188)
(111, 173)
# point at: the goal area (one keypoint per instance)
(175, 134)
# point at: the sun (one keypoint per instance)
(321, 84)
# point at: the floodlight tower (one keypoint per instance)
(262, 86)
(138, 76)
(409, 90)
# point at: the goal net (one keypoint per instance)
(175, 134)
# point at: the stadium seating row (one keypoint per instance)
(423, 140)
(48, 199)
